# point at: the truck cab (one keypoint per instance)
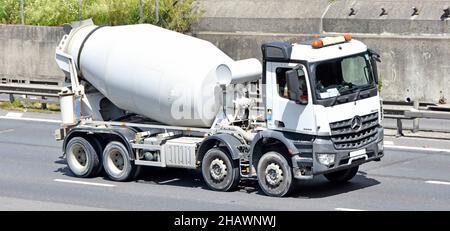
(322, 97)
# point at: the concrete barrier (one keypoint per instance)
(417, 67)
(27, 55)
(400, 17)
(268, 16)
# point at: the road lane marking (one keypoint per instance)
(14, 115)
(169, 181)
(348, 209)
(437, 182)
(6, 131)
(417, 148)
(31, 119)
(387, 142)
(84, 183)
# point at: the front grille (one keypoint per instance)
(344, 137)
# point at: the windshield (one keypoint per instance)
(342, 76)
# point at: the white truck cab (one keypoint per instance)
(323, 95)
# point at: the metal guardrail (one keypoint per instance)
(427, 114)
(30, 89)
(428, 111)
(39, 90)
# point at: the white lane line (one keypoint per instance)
(6, 131)
(31, 119)
(168, 181)
(387, 142)
(437, 182)
(84, 183)
(14, 114)
(348, 209)
(417, 148)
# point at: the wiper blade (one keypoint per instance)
(334, 100)
(350, 90)
(341, 92)
(357, 94)
(365, 87)
(359, 89)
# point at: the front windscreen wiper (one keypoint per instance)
(342, 92)
(334, 101)
(353, 89)
(359, 89)
(357, 94)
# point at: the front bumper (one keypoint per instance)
(305, 167)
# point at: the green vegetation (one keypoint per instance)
(50, 12)
(11, 105)
(175, 15)
(18, 105)
(9, 11)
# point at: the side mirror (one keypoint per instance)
(293, 85)
(374, 55)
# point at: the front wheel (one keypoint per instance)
(274, 175)
(342, 175)
(219, 171)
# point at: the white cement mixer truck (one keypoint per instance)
(140, 95)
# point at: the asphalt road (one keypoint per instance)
(34, 177)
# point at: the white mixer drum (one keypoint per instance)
(164, 75)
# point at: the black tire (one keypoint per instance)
(219, 171)
(117, 163)
(99, 150)
(274, 175)
(342, 175)
(82, 157)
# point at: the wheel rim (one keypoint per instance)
(78, 158)
(218, 170)
(274, 175)
(116, 161)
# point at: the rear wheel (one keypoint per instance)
(82, 156)
(219, 171)
(117, 163)
(274, 175)
(342, 175)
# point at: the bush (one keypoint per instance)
(112, 12)
(175, 15)
(50, 12)
(9, 11)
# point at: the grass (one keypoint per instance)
(18, 105)
(177, 15)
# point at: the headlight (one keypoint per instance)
(380, 146)
(325, 158)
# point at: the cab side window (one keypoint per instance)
(282, 82)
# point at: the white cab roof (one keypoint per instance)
(307, 52)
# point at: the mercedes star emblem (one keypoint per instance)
(356, 123)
